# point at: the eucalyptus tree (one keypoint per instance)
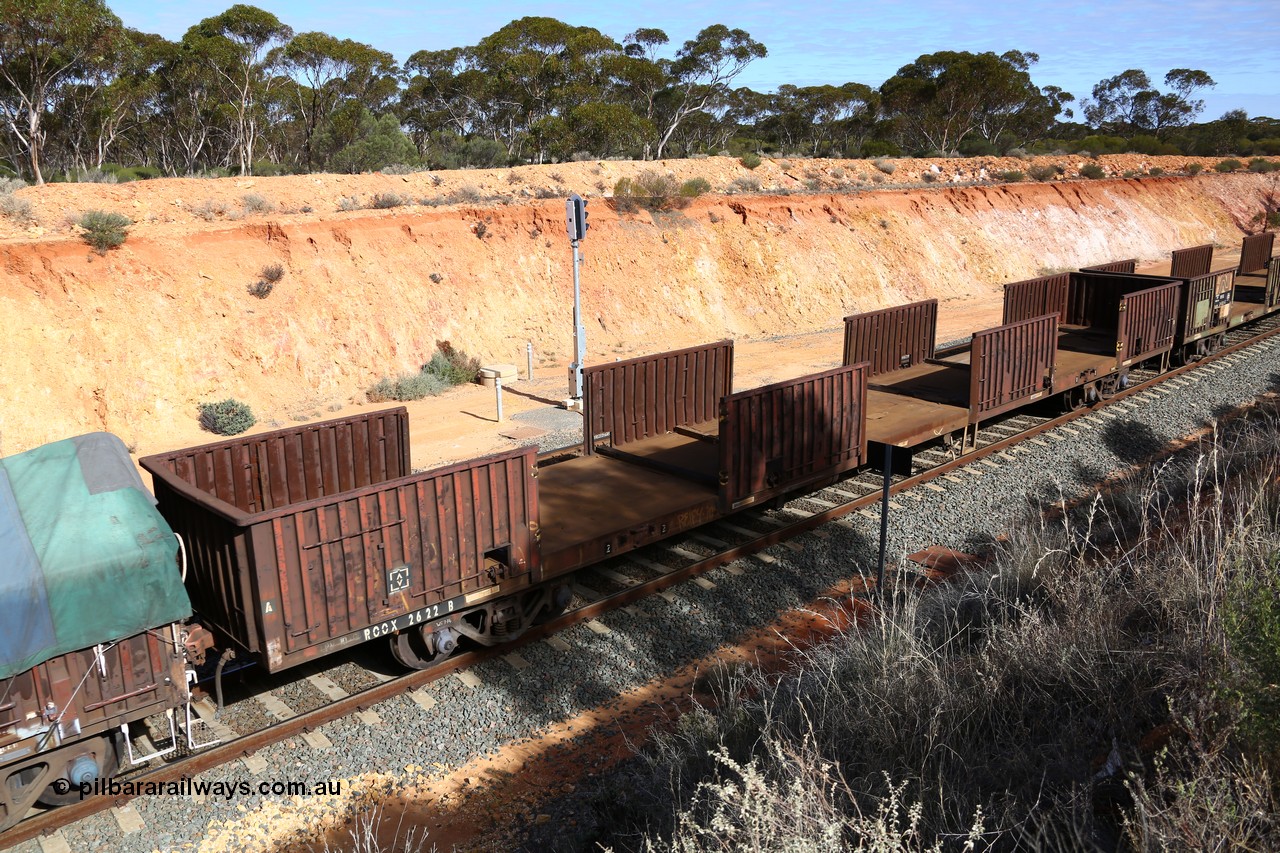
(699, 77)
(327, 71)
(44, 46)
(942, 98)
(1128, 102)
(238, 46)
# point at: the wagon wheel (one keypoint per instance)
(413, 650)
(1074, 399)
(98, 757)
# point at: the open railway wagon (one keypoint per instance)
(915, 397)
(1217, 300)
(312, 538)
(91, 606)
(1108, 323)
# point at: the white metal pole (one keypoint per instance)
(579, 333)
(497, 390)
(528, 351)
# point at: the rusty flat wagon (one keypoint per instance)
(1108, 322)
(1257, 281)
(915, 397)
(669, 446)
(312, 538)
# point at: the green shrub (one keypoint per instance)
(1228, 165)
(750, 160)
(409, 386)
(448, 367)
(1012, 177)
(1040, 172)
(1155, 171)
(1092, 171)
(1253, 632)
(103, 229)
(452, 365)
(650, 190)
(228, 417)
(695, 187)
(1194, 168)
(1262, 165)
(383, 201)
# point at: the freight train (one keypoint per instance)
(294, 543)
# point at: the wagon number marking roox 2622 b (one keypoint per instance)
(417, 617)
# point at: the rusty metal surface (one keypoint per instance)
(134, 678)
(298, 580)
(1128, 265)
(209, 759)
(1035, 297)
(1207, 304)
(782, 436)
(1147, 322)
(892, 338)
(1273, 283)
(1011, 364)
(642, 397)
(1255, 252)
(1144, 326)
(1191, 262)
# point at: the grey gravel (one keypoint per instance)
(510, 704)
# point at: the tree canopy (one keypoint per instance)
(241, 92)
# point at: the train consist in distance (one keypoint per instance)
(306, 540)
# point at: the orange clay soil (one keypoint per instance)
(132, 341)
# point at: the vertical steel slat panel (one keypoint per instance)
(1011, 364)
(1255, 252)
(1273, 282)
(781, 436)
(1127, 266)
(1191, 262)
(886, 337)
(1149, 322)
(647, 396)
(1035, 297)
(321, 557)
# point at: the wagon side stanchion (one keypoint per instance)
(884, 517)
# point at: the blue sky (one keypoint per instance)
(1236, 41)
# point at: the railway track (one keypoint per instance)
(624, 581)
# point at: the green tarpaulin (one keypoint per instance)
(85, 558)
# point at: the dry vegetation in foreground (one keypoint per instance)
(1108, 682)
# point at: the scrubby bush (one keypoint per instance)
(695, 187)
(1043, 172)
(448, 366)
(349, 203)
(1011, 177)
(1068, 693)
(272, 273)
(254, 203)
(750, 160)
(104, 230)
(886, 166)
(929, 177)
(1228, 165)
(649, 190)
(385, 201)
(1155, 171)
(1262, 165)
(1194, 168)
(261, 289)
(228, 417)
(13, 208)
(745, 184)
(1092, 171)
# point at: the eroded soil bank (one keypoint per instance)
(133, 340)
